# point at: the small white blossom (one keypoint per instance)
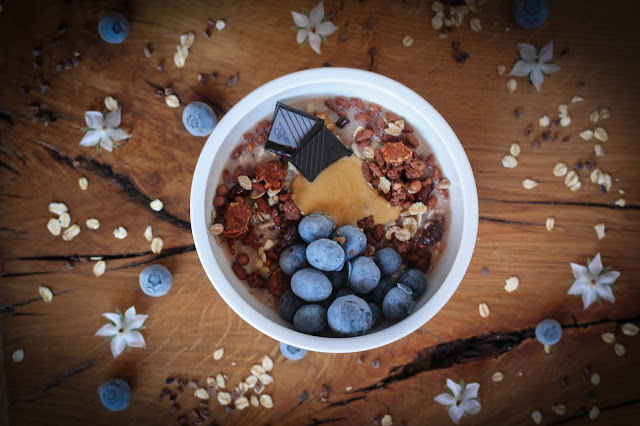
(460, 399)
(102, 129)
(123, 331)
(593, 282)
(313, 27)
(535, 64)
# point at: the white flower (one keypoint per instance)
(313, 27)
(460, 400)
(103, 130)
(593, 282)
(124, 332)
(533, 64)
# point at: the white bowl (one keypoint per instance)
(463, 221)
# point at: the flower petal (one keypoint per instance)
(114, 318)
(314, 42)
(471, 406)
(135, 323)
(93, 119)
(608, 277)
(549, 68)
(107, 330)
(445, 399)
(588, 297)
(537, 78)
(456, 412)
(578, 287)
(317, 13)
(595, 267)
(92, 137)
(604, 291)
(579, 271)
(326, 28)
(300, 19)
(546, 53)
(117, 345)
(107, 143)
(113, 118)
(521, 69)
(134, 339)
(117, 134)
(527, 52)
(470, 391)
(455, 388)
(130, 314)
(302, 34)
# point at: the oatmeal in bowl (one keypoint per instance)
(341, 221)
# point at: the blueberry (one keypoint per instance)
(199, 119)
(349, 316)
(364, 275)
(113, 28)
(377, 294)
(115, 394)
(325, 254)
(155, 280)
(289, 304)
(397, 303)
(415, 279)
(310, 319)
(388, 260)
(293, 259)
(345, 291)
(376, 313)
(339, 278)
(315, 226)
(355, 241)
(292, 352)
(311, 285)
(549, 332)
(530, 13)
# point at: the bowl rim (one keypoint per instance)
(276, 331)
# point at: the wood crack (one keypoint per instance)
(62, 377)
(508, 222)
(8, 308)
(210, 102)
(325, 421)
(586, 413)
(564, 203)
(8, 167)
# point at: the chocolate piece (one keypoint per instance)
(319, 152)
(290, 129)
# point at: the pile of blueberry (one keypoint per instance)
(335, 287)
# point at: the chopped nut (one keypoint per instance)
(444, 184)
(64, 219)
(474, 24)
(45, 293)
(601, 134)
(576, 99)
(559, 409)
(172, 101)
(483, 308)
(241, 403)
(156, 245)
(436, 22)
(608, 337)
(58, 208)
(71, 232)
(99, 268)
(216, 229)
(600, 230)
(586, 134)
(266, 401)
(201, 393)
(594, 117)
(511, 284)
(254, 401)
(537, 417)
(156, 205)
(84, 183)
(220, 24)
(407, 41)
(120, 233)
(218, 353)
(257, 370)
(604, 113)
(560, 169)
(550, 223)
(565, 121)
(220, 380)
(384, 185)
(544, 121)
(571, 178)
(17, 355)
(267, 363)
(54, 226)
(599, 150)
(514, 149)
(386, 420)
(110, 103)
(512, 85)
(187, 40)
(619, 349)
(497, 376)
(224, 398)
(595, 379)
(509, 162)
(245, 182)
(630, 329)
(594, 412)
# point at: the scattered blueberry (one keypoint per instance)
(315, 226)
(199, 119)
(339, 278)
(530, 13)
(291, 352)
(549, 332)
(397, 303)
(289, 304)
(311, 285)
(364, 275)
(355, 241)
(345, 291)
(115, 394)
(155, 280)
(376, 313)
(293, 259)
(377, 294)
(113, 28)
(349, 316)
(415, 279)
(388, 260)
(325, 254)
(310, 319)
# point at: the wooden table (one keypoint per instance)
(64, 362)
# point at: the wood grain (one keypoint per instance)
(64, 363)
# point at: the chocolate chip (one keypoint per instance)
(173, 397)
(169, 380)
(159, 93)
(175, 408)
(529, 130)
(168, 91)
(206, 33)
(324, 394)
(24, 90)
(160, 66)
(369, 24)
(535, 144)
(581, 85)
(484, 271)
(67, 64)
(518, 113)
(342, 121)
(76, 60)
(203, 80)
(37, 51)
(233, 80)
(545, 136)
(303, 396)
(566, 139)
(375, 364)
(37, 63)
(343, 38)
(56, 41)
(326, 65)
(60, 67)
(214, 75)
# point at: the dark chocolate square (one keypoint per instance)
(319, 152)
(289, 129)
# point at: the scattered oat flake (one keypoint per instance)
(71, 232)
(437, 22)
(64, 219)
(599, 150)
(220, 380)
(172, 101)
(201, 393)
(93, 223)
(537, 417)
(621, 202)
(218, 353)
(84, 183)
(216, 229)
(120, 233)
(630, 329)
(179, 59)
(251, 381)
(148, 233)
(99, 268)
(511, 284)
(224, 398)
(254, 401)
(544, 121)
(595, 379)
(586, 134)
(601, 134)
(600, 230)
(619, 349)
(267, 363)
(509, 162)
(497, 376)
(245, 182)
(594, 116)
(54, 226)
(559, 409)
(187, 39)
(529, 184)
(233, 80)
(483, 308)
(604, 113)
(257, 370)
(58, 208)
(565, 121)
(156, 245)
(571, 178)
(45, 293)
(348, 388)
(512, 85)
(220, 24)
(156, 205)
(594, 412)
(501, 69)
(386, 420)
(266, 401)
(265, 379)
(576, 99)
(608, 337)
(548, 349)
(474, 24)
(444, 184)
(407, 41)
(110, 104)
(514, 149)
(241, 403)
(17, 355)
